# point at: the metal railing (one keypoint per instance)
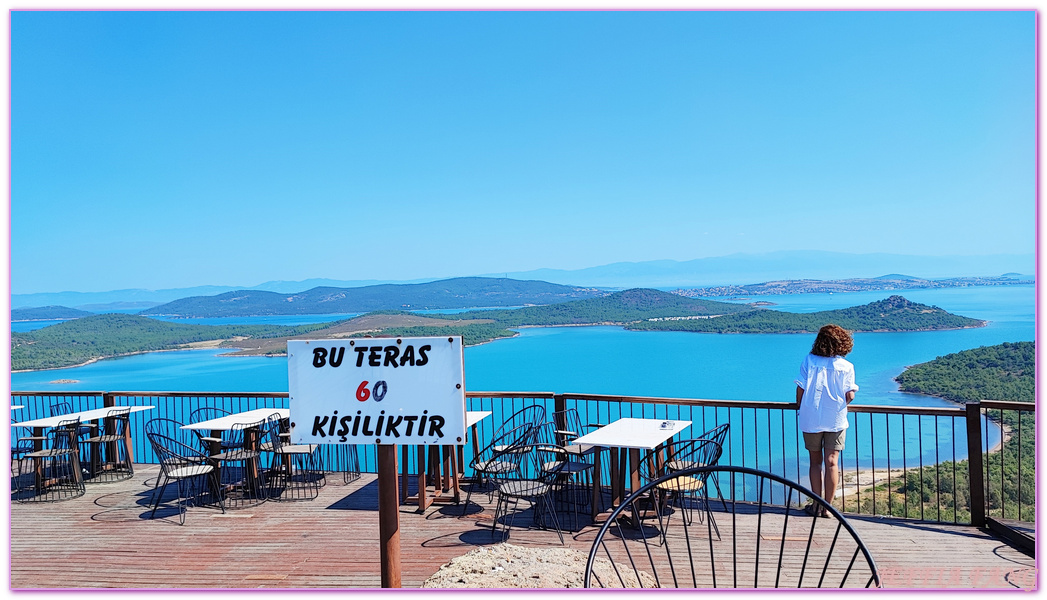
(951, 465)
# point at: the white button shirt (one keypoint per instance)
(825, 381)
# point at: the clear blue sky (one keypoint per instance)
(171, 149)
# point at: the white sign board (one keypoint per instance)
(377, 391)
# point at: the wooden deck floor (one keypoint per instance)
(106, 540)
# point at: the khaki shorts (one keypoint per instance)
(832, 440)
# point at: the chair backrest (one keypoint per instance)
(568, 426)
(717, 434)
(60, 408)
(206, 413)
(66, 436)
(172, 453)
(506, 447)
(173, 429)
(270, 433)
(763, 538)
(678, 455)
(117, 421)
(532, 415)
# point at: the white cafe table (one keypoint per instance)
(633, 435)
(226, 422)
(38, 425)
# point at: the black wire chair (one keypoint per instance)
(54, 472)
(679, 456)
(240, 467)
(21, 444)
(536, 485)
(186, 466)
(296, 472)
(172, 429)
(499, 460)
(110, 460)
(573, 475)
(350, 461)
(768, 541)
(84, 431)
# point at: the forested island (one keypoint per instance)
(891, 314)
(1005, 372)
(102, 336)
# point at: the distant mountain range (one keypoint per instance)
(738, 269)
(735, 269)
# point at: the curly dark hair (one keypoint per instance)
(832, 340)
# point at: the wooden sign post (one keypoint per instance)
(388, 516)
(382, 392)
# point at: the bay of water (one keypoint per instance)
(611, 360)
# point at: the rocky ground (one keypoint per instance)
(509, 566)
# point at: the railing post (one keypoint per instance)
(108, 399)
(975, 472)
(559, 404)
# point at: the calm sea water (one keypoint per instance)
(611, 360)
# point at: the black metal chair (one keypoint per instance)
(768, 541)
(240, 468)
(679, 456)
(110, 460)
(85, 430)
(537, 485)
(296, 472)
(21, 444)
(574, 476)
(500, 459)
(569, 428)
(349, 458)
(172, 429)
(55, 471)
(186, 466)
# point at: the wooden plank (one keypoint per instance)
(330, 542)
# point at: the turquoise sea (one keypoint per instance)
(611, 360)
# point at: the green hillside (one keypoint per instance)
(100, 336)
(621, 307)
(463, 292)
(892, 314)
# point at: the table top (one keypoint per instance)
(472, 417)
(226, 422)
(645, 434)
(85, 415)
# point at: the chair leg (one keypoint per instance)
(156, 503)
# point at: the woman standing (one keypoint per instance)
(823, 390)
